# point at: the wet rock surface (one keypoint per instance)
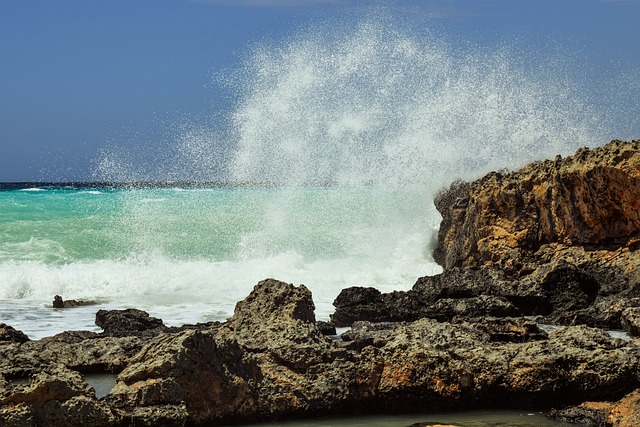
(9, 335)
(622, 413)
(119, 323)
(58, 302)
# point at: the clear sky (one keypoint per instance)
(79, 75)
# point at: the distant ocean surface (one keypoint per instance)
(188, 254)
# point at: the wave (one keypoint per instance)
(210, 289)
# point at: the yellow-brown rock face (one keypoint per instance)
(591, 200)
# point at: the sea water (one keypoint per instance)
(325, 167)
(189, 254)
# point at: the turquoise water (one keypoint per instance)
(57, 226)
(189, 254)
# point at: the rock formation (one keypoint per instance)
(270, 361)
(623, 413)
(590, 200)
(58, 302)
(557, 239)
(120, 323)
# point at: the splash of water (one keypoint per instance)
(379, 105)
(391, 109)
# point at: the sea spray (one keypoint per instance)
(383, 105)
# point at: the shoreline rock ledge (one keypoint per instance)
(270, 361)
(556, 240)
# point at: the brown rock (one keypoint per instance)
(129, 322)
(565, 235)
(631, 321)
(9, 335)
(589, 199)
(80, 350)
(58, 302)
(507, 329)
(270, 361)
(59, 397)
(279, 318)
(593, 414)
(625, 412)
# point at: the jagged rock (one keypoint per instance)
(122, 323)
(575, 363)
(395, 366)
(249, 368)
(452, 293)
(270, 361)
(196, 370)
(631, 321)
(79, 350)
(326, 328)
(358, 303)
(196, 326)
(363, 333)
(626, 411)
(485, 305)
(506, 329)
(591, 414)
(591, 198)
(9, 335)
(567, 229)
(279, 318)
(58, 397)
(58, 302)
(557, 238)
(552, 290)
(623, 413)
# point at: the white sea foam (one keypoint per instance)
(186, 291)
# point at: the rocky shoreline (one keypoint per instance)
(555, 242)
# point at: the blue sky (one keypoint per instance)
(78, 75)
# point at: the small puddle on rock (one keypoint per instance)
(101, 383)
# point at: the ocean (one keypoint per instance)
(187, 254)
(324, 170)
